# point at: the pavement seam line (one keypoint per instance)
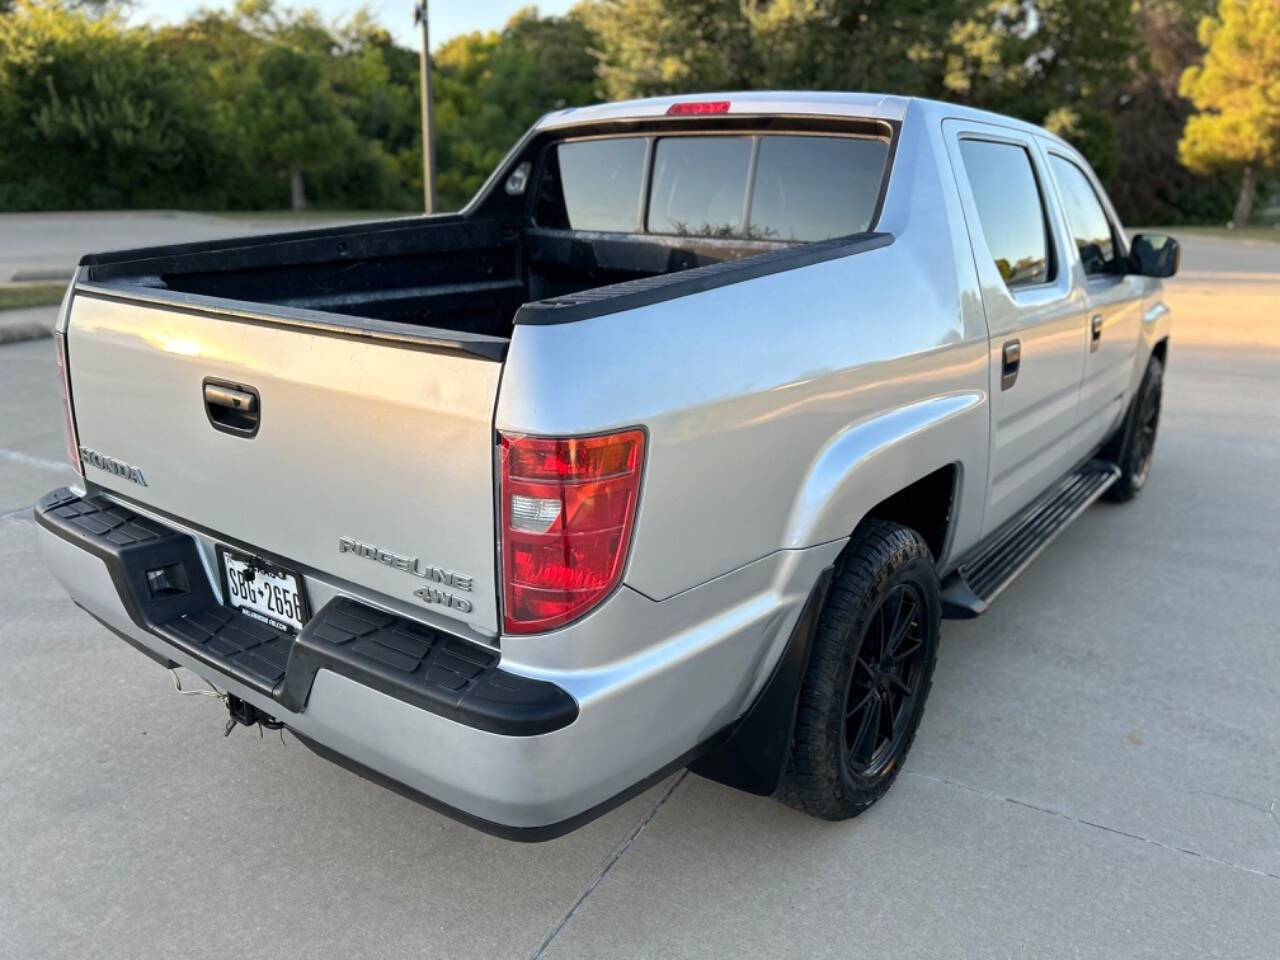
(989, 795)
(608, 865)
(18, 514)
(27, 460)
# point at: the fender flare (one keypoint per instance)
(871, 460)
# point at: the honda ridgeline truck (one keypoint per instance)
(674, 447)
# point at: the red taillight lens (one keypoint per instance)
(698, 108)
(568, 506)
(64, 387)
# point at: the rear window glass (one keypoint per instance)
(815, 188)
(593, 185)
(1010, 210)
(801, 187)
(699, 186)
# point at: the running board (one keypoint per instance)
(970, 590)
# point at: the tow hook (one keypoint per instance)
(246, 713)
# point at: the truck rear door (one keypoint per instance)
(1035, 312)
(367, 460)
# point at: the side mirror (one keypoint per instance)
(1154, 255)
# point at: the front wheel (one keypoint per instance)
(1137, 440)
(870, 669)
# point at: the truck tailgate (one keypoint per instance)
(385, 446)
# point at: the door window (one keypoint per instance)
(1010, 210)
(1089, 225)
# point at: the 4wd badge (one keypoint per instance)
(439, 576)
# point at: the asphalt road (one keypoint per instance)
(1098, 773)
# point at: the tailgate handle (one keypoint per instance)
(232, 407)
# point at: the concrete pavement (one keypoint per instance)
(1098, 773)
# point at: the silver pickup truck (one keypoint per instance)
(672, 449)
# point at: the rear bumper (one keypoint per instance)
(445, 675)
(442, 718)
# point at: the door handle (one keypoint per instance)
(232, 407)
(1012, 360)
(1095, 331)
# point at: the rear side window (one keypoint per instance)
(593, 185)
(1010, 209)
(1089, 225)
(815, 188)
(699, 185)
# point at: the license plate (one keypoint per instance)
(263, 591)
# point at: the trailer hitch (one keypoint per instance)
(243, 712)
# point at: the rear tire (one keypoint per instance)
(869, 674)
(1134, 446)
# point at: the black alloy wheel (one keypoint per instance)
(1144, 437)
(885, 683)
(1133, 447)
(870, 667)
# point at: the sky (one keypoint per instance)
(448, 17)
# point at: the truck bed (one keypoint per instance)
(461, 274)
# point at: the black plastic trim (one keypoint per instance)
(247, 433)
(339, 241)
(422, 666)
(317, 322)
(645, 291)
(193, 621)
(754, 755)
(447, 675)
(998, 559)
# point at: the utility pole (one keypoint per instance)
(428, 141)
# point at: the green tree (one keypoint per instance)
(314, 112)
(291, 118)
(650, 47)
(1149, 185)
(1236, 91)
(1060, 63)
(490, 87)
(92, 113)
(888, 46)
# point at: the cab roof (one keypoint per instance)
(811, 103)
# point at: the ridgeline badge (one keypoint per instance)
(437, 575)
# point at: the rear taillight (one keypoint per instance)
(568, 507)
(64, 386)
